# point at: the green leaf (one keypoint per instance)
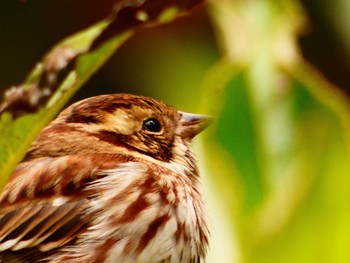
(16, 137)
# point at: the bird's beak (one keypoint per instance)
(192, 124)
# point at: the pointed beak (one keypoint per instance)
(192, 124)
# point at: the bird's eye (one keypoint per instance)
(152, 125)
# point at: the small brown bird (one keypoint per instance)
(111, 179)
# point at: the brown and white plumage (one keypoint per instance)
(111, 179)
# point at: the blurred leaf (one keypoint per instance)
(281, 141)
(319, 225)
(235, 133)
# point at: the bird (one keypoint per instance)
(112, 179)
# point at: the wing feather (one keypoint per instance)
(40, 225)
(14, 219)
(44, 205)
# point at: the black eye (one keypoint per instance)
(152, 125)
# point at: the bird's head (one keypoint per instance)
(118, 123)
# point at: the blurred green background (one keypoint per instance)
(275, 74)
